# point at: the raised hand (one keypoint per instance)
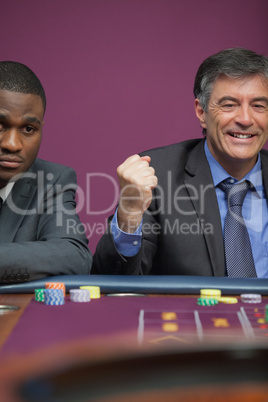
(137, 180)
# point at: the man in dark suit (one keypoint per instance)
(173, 207)
(39, 233)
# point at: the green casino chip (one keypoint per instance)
(204, 301)
(39, 295)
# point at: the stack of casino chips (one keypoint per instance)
(79, 295)
(211, 297)
(228, 300)
(94, 291)
(54, 294)
(56, 285)
(251, 298)
(39, 295)
(266, 313)
(54, 297)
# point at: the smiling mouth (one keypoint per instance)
(239, 135)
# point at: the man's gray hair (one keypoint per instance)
(234, 62)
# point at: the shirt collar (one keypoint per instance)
(4, 192)
(219, 174)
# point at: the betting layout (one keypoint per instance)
(213, 318)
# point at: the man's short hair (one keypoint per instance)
(235, 62)
(17, 77)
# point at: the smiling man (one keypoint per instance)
(36, 197)
(200, 207)
(236, 122)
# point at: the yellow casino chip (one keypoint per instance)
(93, 290)
(228, 300)
(214, 293)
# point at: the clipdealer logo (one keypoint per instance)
(52, 198)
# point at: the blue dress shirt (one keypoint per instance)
(255, 214)
(254, 211)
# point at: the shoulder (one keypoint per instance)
(41, 164)
(264, 153)
(52, 171)
(264, 160)
(170, 154)
(184, 147)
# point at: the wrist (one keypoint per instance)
(128, 222)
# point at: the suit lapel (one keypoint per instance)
(264, 166)
(198, 176)
(15, 208)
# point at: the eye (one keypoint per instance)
(2, 126)
(228, 106)
(29, 129)
(259, 106)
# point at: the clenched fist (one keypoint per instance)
(137, 180)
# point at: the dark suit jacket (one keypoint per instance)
(182, 233)
(40, 232)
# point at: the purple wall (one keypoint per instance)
(118, 75)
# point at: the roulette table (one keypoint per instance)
(144, 339)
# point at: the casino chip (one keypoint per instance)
(79, 295)
(251, 298)
(56, 285)
(39, 295)
(93, 290)
(203, 301)
(53, 297)
(213, 293)
(228, 300)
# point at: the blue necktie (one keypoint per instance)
(237, 247)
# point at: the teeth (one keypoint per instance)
(241, 135)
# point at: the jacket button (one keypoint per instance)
(12, 277)
(5, 277)
(26, 277)
(19, 277)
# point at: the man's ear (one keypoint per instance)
(200, 113)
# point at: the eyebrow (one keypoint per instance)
(31, 119)
(261, 99)
(3, 116)
(231, 98)
(26, 119)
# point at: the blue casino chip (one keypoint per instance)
(54, 297)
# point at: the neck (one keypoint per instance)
(239, 170)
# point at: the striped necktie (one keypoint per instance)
(237, 247)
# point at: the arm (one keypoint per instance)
(128, 244)
(137, 180)
(49, 242)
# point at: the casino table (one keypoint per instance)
(144, 339)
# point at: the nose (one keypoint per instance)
(244, 116)
(11, 141)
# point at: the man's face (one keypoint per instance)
(21, 121)
(236, 122)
